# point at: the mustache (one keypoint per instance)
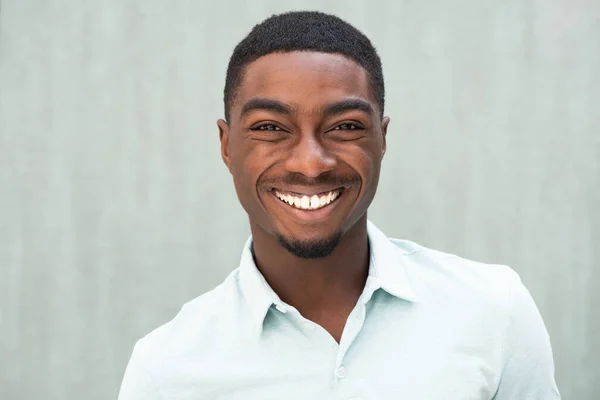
(301, 180)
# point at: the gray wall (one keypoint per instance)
(115, 207)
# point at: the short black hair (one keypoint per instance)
(304, 31)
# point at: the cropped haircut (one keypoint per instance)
(304, 31)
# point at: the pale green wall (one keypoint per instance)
(115, 208)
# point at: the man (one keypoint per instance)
(323, 304)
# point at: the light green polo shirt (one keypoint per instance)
(428, 326)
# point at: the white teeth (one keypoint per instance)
(308, 202)
(305, 202)
(314, 201)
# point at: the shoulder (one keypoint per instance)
(474, 299)
(206, 319)
(490, 301)
(442, 274)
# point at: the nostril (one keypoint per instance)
(312, 163)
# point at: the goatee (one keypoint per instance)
(310, 249)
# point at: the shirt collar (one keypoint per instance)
(388, 266)
(387, 271)
(259, 296)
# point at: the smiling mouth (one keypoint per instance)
(306, 202)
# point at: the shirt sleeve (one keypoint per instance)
(137, 384)
(528, 366)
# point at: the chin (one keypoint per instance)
(310, 248)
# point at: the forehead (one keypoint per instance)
(306, 80)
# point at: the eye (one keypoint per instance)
(265, 131)
(348, 131)
(266, 127)
(347, 126)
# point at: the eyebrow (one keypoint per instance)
(266, 105)
(348, 105)
(336, 108)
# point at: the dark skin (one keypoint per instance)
(305, 124)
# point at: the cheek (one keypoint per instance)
(366, 161)
(248, 163)
(370, 181)
(251, 159)
(244, 180)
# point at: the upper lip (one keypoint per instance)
(308, 190)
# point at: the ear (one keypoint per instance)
(384, 125)
(224, 138)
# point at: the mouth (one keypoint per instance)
(307, 202)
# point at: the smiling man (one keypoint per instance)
(323, 304)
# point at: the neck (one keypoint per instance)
(321, 287)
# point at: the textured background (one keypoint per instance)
(115, 207)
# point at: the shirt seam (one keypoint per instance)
(440, 255)
(415, 251)
(509, 311)
(152, 382)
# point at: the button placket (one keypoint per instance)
(353, 327)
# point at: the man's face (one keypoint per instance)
(304, 145)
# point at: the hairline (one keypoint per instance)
(234, 89)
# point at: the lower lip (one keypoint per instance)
(311, 215)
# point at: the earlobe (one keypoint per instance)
(224, 138)
(384, 126)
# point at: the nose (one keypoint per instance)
(310, 158)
